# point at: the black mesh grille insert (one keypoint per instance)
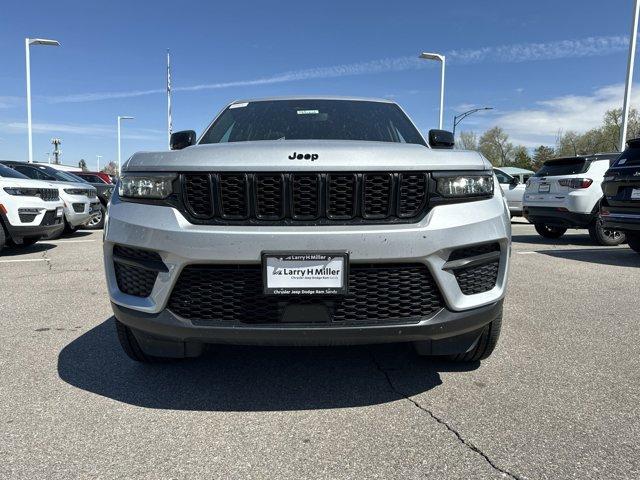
(478, 278)
(377, 195)
(198, 194)
(134, 280)
(306, 196)
(269, 196)
(377, 294)
(341, 193)
(412, 194)
(318, 198)
(50, 218)
(78, 207)
(27, 217)
(233, 196)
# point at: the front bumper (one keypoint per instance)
(557, 218)
(78, 218)
(446, 332)
(39, 227)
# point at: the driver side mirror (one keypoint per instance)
(515, 181)
(441, 139)
(183, 139)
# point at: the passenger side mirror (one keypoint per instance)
(441, 139)
(183, 139)
(515, 181)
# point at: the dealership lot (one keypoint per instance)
(559, 398)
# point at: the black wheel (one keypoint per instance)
(484, 346)
(605, 236)
(28, 241)
(97, 221)
(131, 346)
(634, 242)
(68, 228)
(3, 237)
(548, 231)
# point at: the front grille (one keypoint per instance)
(377, 294)
(294, 198)
(78, 207)
(132, 279)
(477, 279)
(49, 194)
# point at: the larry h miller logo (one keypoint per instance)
(305, 156)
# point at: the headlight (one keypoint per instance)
(151, 186)
(76, 191)
(27, 192)
(462, 186)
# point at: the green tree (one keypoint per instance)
(467, 141)
(521, 158)
(495, 145)
(540, 155)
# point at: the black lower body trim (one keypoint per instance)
(558, 218)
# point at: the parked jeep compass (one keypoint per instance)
(620, 208)
(308, 221)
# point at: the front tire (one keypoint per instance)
(485, 345)
(605, 236)
(97, 222)
(548, 231)
(634, 242)
(3, 237)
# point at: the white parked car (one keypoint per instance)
(513, 190)
(29, 209)
(80, 199)
(566, 193)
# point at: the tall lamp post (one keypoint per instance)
(627, 87)
(120, 118)
(458, 118)
(27, 44)
(439, 58)
(98, 157)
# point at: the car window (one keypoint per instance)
(313, 120)
(7, 172)
(631, 156)
(91, 178)
(502, 177)
(563, 166)
(34, 173)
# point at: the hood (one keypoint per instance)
(86, 186)
(25, 182)
(323, 155)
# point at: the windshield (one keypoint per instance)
(313, 120)
(7, 172)
(61, 176)
(563, 166)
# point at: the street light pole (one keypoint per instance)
(98, 157)
(27, 43)
(440, 58)
(120, 118)
(458, 118)
(627, 87)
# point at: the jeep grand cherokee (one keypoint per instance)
(308, 221)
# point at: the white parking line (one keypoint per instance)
(68, 241)
(24, 260)
(525, 253)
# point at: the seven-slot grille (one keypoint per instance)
(376, 197)
(48, 194)
(379, 294)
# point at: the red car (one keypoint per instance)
(95, 177)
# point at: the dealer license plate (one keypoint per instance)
(544, 188)
(305, 273)
(635, 194)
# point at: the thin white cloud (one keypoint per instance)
(514, 53)
(10, 102)
(541, 124)
(91, 130)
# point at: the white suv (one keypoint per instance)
(29, 209)
(566, 193)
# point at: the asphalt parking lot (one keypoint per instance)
(558, 399)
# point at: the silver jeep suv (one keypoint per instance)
(308, 221)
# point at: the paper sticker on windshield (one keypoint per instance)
(308, 112)
(239, 105)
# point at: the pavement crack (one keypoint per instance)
(467, 443)
(47, 260)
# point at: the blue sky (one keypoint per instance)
(545, 65)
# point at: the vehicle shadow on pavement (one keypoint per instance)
(242, 378)
(577, 240)
(617, 257)
(35, 248)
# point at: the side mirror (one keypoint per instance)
(441, 139)
(183, 139)
(515, 181)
